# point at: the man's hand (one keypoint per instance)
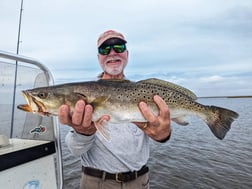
(156, 127)
(81, 118)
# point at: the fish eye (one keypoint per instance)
(42, 95)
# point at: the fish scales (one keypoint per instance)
(131, 93)
(120, 98)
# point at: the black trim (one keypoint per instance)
(19, 157)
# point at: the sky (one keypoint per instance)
(203, 45)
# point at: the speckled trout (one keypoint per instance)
(120, 98)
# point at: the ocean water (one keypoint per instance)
(193, 157)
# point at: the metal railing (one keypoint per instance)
(49, 78)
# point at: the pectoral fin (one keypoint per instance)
(99, 101)
(182, 120)
(102, 127)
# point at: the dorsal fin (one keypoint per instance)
(173, 86)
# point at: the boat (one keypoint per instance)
(30, 147)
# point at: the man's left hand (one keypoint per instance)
(157, 127)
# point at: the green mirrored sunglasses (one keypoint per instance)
(105, 50)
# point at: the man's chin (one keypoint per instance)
(114, 71)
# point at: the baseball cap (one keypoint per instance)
(108, 35)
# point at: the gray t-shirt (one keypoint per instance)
(127, 150)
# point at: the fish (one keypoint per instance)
(120, 98)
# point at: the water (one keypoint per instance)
(193, 157)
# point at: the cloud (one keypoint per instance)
(194, 43)
(214, 78)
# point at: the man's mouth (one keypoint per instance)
(113, 60)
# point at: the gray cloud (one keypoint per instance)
(193, 43)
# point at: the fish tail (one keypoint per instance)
(219, 120)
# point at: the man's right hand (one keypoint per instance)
(80, 119)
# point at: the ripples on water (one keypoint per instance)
(194, 158)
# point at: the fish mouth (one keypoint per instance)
(33, 105)
(25, 107)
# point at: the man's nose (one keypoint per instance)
(112, 51)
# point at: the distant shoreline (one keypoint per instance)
(248, 96)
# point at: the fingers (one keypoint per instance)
(78, 113)
(105, 118)
(87, 120)
(81, 118)
(63, 113)
(82, 114)
(163, 107)
(147, 113)
(157, 126)
(141, 125)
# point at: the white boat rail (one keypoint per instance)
(27, 62)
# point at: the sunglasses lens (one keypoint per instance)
(104, 50)
(119, 48)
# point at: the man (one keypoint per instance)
(120, 162)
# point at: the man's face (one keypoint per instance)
(114, 62)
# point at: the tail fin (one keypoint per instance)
(220, 120)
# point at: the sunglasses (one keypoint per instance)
(105, 50)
